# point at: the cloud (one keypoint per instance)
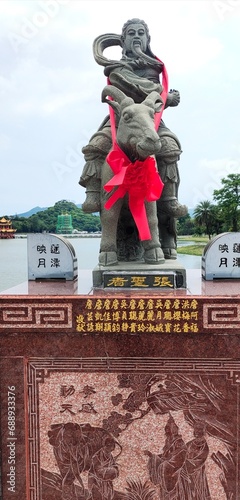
(5, 142)
(226, 165)
(10, 10)
(50, 90)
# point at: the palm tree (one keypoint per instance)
(204, 216)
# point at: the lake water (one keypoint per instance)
(13, 259)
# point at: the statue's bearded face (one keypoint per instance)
(135, 35)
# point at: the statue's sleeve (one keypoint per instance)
(165, 470)
(170, 469)
(133, 85)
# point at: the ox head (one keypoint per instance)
(136, 134)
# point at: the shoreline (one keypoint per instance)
(85, 235)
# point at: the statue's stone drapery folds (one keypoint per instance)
(137, 94)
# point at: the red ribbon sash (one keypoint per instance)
(164, 94)
(140, 180)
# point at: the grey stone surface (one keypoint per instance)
(51, 257)
(135, 79)
(221, 257)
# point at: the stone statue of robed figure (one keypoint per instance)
(131, 172)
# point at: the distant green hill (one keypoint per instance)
(34, 211)
(39, 219)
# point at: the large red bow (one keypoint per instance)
(140, 180)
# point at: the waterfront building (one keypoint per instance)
(64, 224)
(6, 230)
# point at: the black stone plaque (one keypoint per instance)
(142, 279)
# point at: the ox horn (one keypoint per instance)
(119, 98)
(116, 94)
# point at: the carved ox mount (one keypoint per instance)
(137, 143)
(136, 134)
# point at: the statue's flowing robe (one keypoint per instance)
(165, 469)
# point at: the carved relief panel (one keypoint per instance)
(109, 429)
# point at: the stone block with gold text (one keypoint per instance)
(113, 398)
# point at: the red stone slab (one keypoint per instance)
(74, 404)
(13, 431)
(123, 384)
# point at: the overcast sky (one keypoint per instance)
(50, 88)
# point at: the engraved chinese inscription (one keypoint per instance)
(139, 315)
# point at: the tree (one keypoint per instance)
(46, 220)
(204, 214)
(228, 199)
(218, 220)
(185, 225)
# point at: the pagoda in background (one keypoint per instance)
(6, 230)
(64, 224)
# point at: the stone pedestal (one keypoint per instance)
(109, 381)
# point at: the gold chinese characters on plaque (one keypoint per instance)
(138, 315)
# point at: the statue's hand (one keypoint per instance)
(173, 98)
(140, 63)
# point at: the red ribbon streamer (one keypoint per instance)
(140, 180)
(164, 94)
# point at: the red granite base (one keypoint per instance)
(120, 397)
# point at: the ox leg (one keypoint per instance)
(109, 223)
(153, 253)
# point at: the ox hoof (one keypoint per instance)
(170, 253)
(107, 258)
(154, 256)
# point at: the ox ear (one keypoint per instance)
(154, 100)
